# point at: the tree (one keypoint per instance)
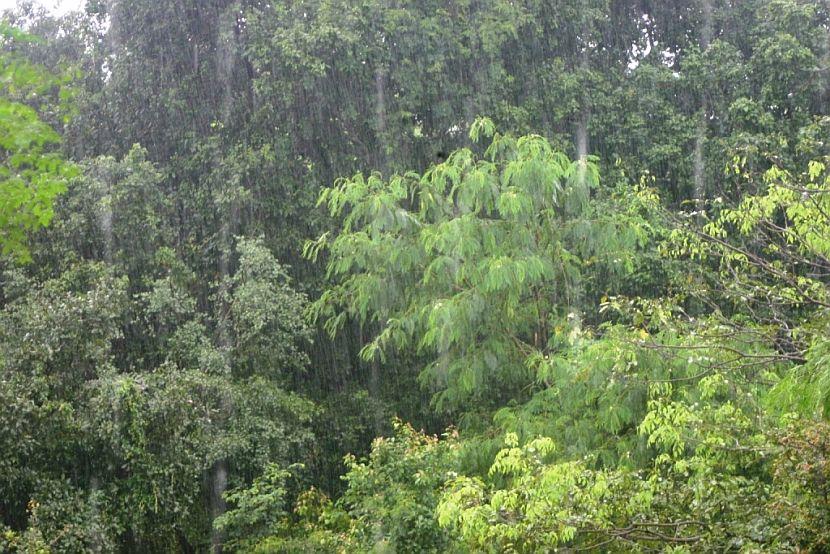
(32, 173)
(135, 390)
(478, 263)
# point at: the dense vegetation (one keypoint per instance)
(415, 276)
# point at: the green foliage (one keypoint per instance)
(32, 174)
(267, 315)
(257, 510)
(801, 473)
(391, 496)
(66, 519)
(683, 399)
(388, 505)
(136, 436)
(772, 248)
(473, 262)
(687, 497)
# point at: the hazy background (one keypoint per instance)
(55, 6)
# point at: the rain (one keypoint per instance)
(414, 276)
